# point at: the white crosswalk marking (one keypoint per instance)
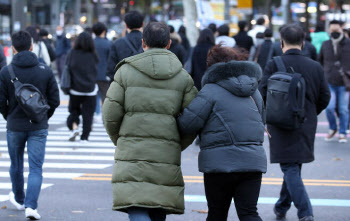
(64, 160)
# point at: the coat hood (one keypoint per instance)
(156, 63)
(25, 59)
(239, 77)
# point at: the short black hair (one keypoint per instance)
(99, 28)
(292, 35)
(212, 27)
(43, 32)
(224, 30)
(242, 25)
(133, 19)
(21, 41)
(335, 22)
(281, 27)
(171, 29)
(156, 35)
(32, 31)
(268, 33)
(260, 21)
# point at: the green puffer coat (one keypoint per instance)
(148, 92)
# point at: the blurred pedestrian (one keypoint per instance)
(228, 100)
(243, 40)
(264, 49)
(319, 36)
(44, 37)
(21, 131)
(205, 42)
(254, 50)
(176, 46)
(213, 28)
(82, 64)
(62, 47)
(224, 39)
(3, 61)
(184, 41)
(259, 27)
(129, 45)
(309, 50)
(294, 147)
(334, 56)
(148, 92)
(39, 47)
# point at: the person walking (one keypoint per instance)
(258, 28)
(44, 37)
(3, 61)
(205, 42)
(319, 36)
(21, 132)
(129, 45)
(334, 56)
(228, 115)
(62, 47)
(264, 49)
(82, 65)
(243, 40)
(102, 45)
(292, 148)
(39, 47)
(176, 46)
(224, 38)
(148, 92)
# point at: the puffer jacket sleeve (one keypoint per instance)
(190, 94)
(195, 115)
(113, 107)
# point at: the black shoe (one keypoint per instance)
(279, 216)
(307, 218)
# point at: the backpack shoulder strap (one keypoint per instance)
(279, 63)
(12, 73)
(127, 41)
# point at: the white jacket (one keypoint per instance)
(257, 28)
(44, 53)
(226, 41)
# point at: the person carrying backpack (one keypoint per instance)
(293, 130)
(22, 128)
(129, 45)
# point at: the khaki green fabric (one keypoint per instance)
(148, 92)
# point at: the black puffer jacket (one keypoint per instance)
(226, 113)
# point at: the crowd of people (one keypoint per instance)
(159, 94)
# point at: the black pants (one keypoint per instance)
(244, 188)
(85, 106)
(103, 88)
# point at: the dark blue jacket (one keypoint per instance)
(102, 46)
(62, 45)
(28, 70)
(227, 114)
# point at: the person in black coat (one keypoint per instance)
(176, 46)
(3, 62)
(242, 39)
(185, 42)
(44, 37)
(121, 49)
(205, 42)
(292, 148)
(228, 115)
(264, 49)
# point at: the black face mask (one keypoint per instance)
(335, 35)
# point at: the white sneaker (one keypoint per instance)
(32, 214)
(14, 202)
(84, 141)
(342, 138)
(73, 135)
(330, 135)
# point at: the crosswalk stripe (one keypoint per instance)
(67, 133)
(91, 138)
(8, 186)
(72, 144)
(63, 165)
(70, 150)
(68, 157)
(47, 175)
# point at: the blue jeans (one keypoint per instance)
(144, 214)
(293, 190)
(36, 141)
(98, 103)
(339, 98)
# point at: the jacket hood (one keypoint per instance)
(238, 77)
(156, 63)
(175, 37)
(25, 59)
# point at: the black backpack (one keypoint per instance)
(30, 99)
(285, 98)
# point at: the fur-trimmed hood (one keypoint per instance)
(239, 77)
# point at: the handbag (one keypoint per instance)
(66, 77)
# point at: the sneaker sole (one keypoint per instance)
(74, 136)
(32, 218)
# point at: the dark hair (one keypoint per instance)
(43, 32)
(335, 22)
(84, 42)
(242, 25)
(292, 35)
(32, 31)
(156, 35)
(260, 21)
(320, 27)
(212, 27)
(225, 54)
(171, 29)
(268, 33)
(281, 27)
(259, 35)
(133, 19)
(21, 41)
(224, 30)
(88, 30)
(182, 30)
(99, 28)
(206, 36)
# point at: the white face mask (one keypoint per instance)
(59, 33)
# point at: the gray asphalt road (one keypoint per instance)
(77, 180)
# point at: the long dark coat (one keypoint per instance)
(199, 63)
(298, 146)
